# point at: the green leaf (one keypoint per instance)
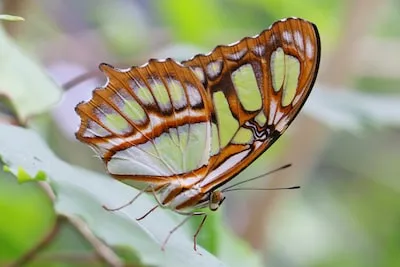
(82, 193)
(26, 216)
(11, 17)
(220, 241)
(23, 82)
(23, 176)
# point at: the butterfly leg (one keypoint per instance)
(129, 203)
(159, 204)
(156, 198)
(198, 231)
(179, 225)
(147, 213)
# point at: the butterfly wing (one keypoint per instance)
(149, 124)
(205, 120)
(257, 87)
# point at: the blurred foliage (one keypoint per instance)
(367, 212)
(216, 21)
(391, 19)
(26, 216)
(25, 82)
(378, 85)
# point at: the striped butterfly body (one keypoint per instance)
(182, 130)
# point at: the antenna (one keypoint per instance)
(231, 187)
(261, 189)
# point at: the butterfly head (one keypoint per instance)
(215, 200)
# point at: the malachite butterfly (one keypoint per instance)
(182, 130)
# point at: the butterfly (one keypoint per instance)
(181, 130)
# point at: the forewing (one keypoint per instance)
(257, 87)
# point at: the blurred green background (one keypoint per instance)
(344, 146)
